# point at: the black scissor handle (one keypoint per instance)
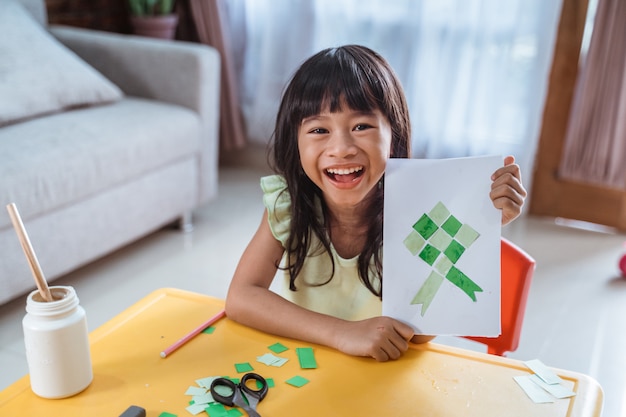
(224, 399)
(260, 393)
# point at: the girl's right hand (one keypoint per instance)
(381, 338)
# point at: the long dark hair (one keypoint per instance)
(364, 81)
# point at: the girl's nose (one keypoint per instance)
(341, 144)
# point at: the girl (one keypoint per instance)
(342, 116)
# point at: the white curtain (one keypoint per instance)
(474, 71)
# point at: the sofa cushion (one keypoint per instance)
(38, 75)
(54, 161)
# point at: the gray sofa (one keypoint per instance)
(91, 171)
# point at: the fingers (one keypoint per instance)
(381, 338)
(393, 341)
(507, 192)
(420, 338)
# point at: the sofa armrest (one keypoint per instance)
(182, 73)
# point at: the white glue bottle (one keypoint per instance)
(57, 344)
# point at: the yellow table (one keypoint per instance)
(429, 380)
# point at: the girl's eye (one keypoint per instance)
(362, 126)
(318, 130)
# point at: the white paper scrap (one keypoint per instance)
(195, 391)
(557, 390)
(206, 382)
(272, 360)
(536, 394)
(543, 372)
(196, 408)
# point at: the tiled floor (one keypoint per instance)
(575, 317)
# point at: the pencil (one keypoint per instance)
(192, 334)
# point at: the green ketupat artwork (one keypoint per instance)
(439, 239)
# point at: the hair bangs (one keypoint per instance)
(334, 80)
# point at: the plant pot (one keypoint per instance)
(162, 27)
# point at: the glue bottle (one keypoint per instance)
(57, 344)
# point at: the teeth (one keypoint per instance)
(344, 171)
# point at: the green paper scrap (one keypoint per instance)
(440, 239)
(443, 265)
(297, 381)
(414, 242)
(233, 412)
(243, 367)
(209, 330)
(466, 235)
(462, 281)
(425, 226)
(166, 414)
(454, 251)
(439, 213)
(427, 292)
(278, 347)
(452, 225)
(306, 358)
(429, 254)
(270, 383)
(216, 410)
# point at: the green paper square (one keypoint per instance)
(166, 414)
(443, 265)
(454, 251)
(297, 381)
(425, 226)
(452, 226)
(439, 213)
(243, 367)
(216, 410)
(209, 330)
(270, 383)
(466, 235)
(429, 254)
(306, 358)
(440, 240)
(278, 347)
(414, 242)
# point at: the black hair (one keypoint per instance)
(364, 81)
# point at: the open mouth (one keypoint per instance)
(344, 174)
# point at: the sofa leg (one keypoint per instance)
(185, 223)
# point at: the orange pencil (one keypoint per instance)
(193, 333)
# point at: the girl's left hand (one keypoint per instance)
(507, 192)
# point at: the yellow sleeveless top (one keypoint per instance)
(344, 296)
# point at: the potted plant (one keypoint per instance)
(155, 18)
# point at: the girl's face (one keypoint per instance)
(344, 153)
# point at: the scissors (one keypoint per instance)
(241, 395)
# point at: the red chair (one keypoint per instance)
(517, 269)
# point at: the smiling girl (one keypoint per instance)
(342, 116)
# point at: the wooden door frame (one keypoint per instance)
(551, 195)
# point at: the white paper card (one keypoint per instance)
(441, 252)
